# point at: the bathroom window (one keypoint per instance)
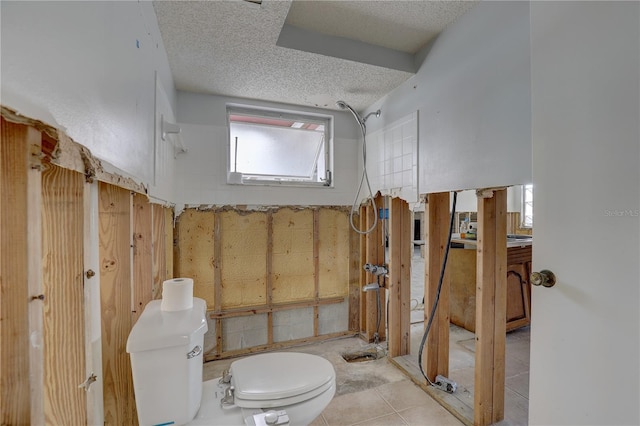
(269, 147)
(527, 206)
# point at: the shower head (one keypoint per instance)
(344, 105)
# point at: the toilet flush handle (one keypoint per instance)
(194, 352)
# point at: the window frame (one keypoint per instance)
(523, 206)
(239, 178)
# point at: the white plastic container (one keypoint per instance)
(166, 361)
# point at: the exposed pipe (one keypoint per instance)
(365, 178)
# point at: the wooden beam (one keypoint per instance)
(435, 356)
(374, 255)
(142, 255)
(160, 252)
(62, 270)
(21, 374)
(363, 277)
(316, 270)
(354, 278)
(115, 297)
(491, 301)
(399, 277)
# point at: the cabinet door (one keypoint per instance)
(517, 296)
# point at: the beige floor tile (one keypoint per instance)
(429, 415)
(356, 407)
(403, 395)
(388, 420)
(319, 421)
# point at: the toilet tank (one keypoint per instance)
(166, 362)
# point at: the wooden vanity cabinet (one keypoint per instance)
(462, 270)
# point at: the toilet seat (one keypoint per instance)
(280, 378)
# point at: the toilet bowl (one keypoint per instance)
(282, 388)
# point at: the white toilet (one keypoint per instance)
(284, 388)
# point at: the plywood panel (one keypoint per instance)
(243, 260)
(18, 187)
(334, 253)
(114, 206)
(195, 235)
(142, 255)
(292, 256)
(62, 269)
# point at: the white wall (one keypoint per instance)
(88, 68)
(585, 331)
(201, 173)
(473, 99)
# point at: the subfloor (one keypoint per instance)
(371, 392)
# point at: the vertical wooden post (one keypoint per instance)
(436, 354)
(142, 255)
(162, 249)
(115, 298)
(363, 277)
(399, 278)
(374, 255)
(316, 271)
(92, 306)
(354, 278)
(21, 374)
(491, 297)
(269, 275)
(62, 270)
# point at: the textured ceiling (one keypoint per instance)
(230, 47)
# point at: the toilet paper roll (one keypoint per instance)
(177, 294)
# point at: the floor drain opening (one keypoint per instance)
(362, 355)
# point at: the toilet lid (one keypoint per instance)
(280, 378)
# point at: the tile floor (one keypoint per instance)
(462, 355)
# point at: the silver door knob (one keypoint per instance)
(544, 278)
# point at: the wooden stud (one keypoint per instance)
(437, 218)
(399, 278)
(142, 255)
(316, 270)
(363, 277)
(115, 297)
(269, 275)
(217, 278)
(490, 308)
(62, 269)
(354, 278)
(159, 252)
(21, 374)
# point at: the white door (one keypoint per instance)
(585, 345)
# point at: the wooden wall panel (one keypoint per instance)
(142, 254)
(62, 269)
(243, 258)
(334, 253)
(18, 225)
(292, 256)
(195, 259)
(115, 297)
